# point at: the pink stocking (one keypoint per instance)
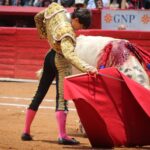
(30, 114)
(61, 121)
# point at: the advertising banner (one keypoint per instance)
(125, 19)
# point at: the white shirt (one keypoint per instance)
(106, 3)
(91, 4)
(68, 16)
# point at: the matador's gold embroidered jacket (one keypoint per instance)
(53, 24)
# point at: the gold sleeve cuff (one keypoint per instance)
(67, 46)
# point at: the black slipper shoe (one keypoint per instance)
(68, 142)
(26, 137)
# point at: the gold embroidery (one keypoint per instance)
(40, 25)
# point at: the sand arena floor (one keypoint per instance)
(14, 99)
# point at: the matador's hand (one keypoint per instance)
(92, 70)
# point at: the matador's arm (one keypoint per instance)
(67, 47)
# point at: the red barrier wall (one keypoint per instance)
(22, 51)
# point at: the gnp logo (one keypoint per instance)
(119, 18)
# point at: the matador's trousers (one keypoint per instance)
(55, 66)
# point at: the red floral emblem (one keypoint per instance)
(145, 19)
(108, 18)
